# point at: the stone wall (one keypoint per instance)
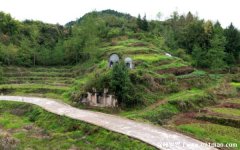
(101, 99)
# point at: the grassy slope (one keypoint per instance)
(190, 92)
(32, 127)
(213, 133)
(165, 95)
(154, 87)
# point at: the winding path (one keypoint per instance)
(156, 136)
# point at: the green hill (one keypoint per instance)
(185, 76)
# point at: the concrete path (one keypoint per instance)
(156, 136)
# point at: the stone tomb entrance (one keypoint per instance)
(114, 58)
(129, 62)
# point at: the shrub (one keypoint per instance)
(182, 54)
(121, 85)
(114, 32)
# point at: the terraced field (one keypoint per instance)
(145, 55)
(174, 94)
(51, 82)
(220, 123)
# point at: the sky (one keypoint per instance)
(63, 11)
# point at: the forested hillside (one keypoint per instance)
(203, 43)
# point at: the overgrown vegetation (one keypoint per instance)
(29, 127)
(122, 86)
(31, 43)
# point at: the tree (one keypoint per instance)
(199, 56)
(9, 54)
(24, 56)
(139, 21)
(145, 23)
(233, 44)
(216, 54)
(73, 49)
(121, 85)
(142, 23)
(7, 24)
(191, 35)
(189, 17)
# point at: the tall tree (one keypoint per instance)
(216, 54)
(121, 84)
(233, 44)
(145, 23)
(142, 23)
(199, 56)
(139, 21)
(192, 34)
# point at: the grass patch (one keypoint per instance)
(13, 123)
(194, 74)
(191, 99)
(227, 111)
(151, 58)
(186, 95)
(237, 101)
(213, 133)
(59, 132)
(158, 115)
(236, 84)
(33, 86)
(37, 90)
(174, 64)
(37, 74)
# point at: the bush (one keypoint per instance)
(101, 81)
(182, 54)
(114, 32)
(122, 86)
(173, 87)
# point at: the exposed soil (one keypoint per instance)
(158, 103)
(177, 71)
(7, 142)
(227, 116)
(185, 118)
(229, 105)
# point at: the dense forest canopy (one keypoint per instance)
(29, 43)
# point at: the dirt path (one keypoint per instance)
(159, 137)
